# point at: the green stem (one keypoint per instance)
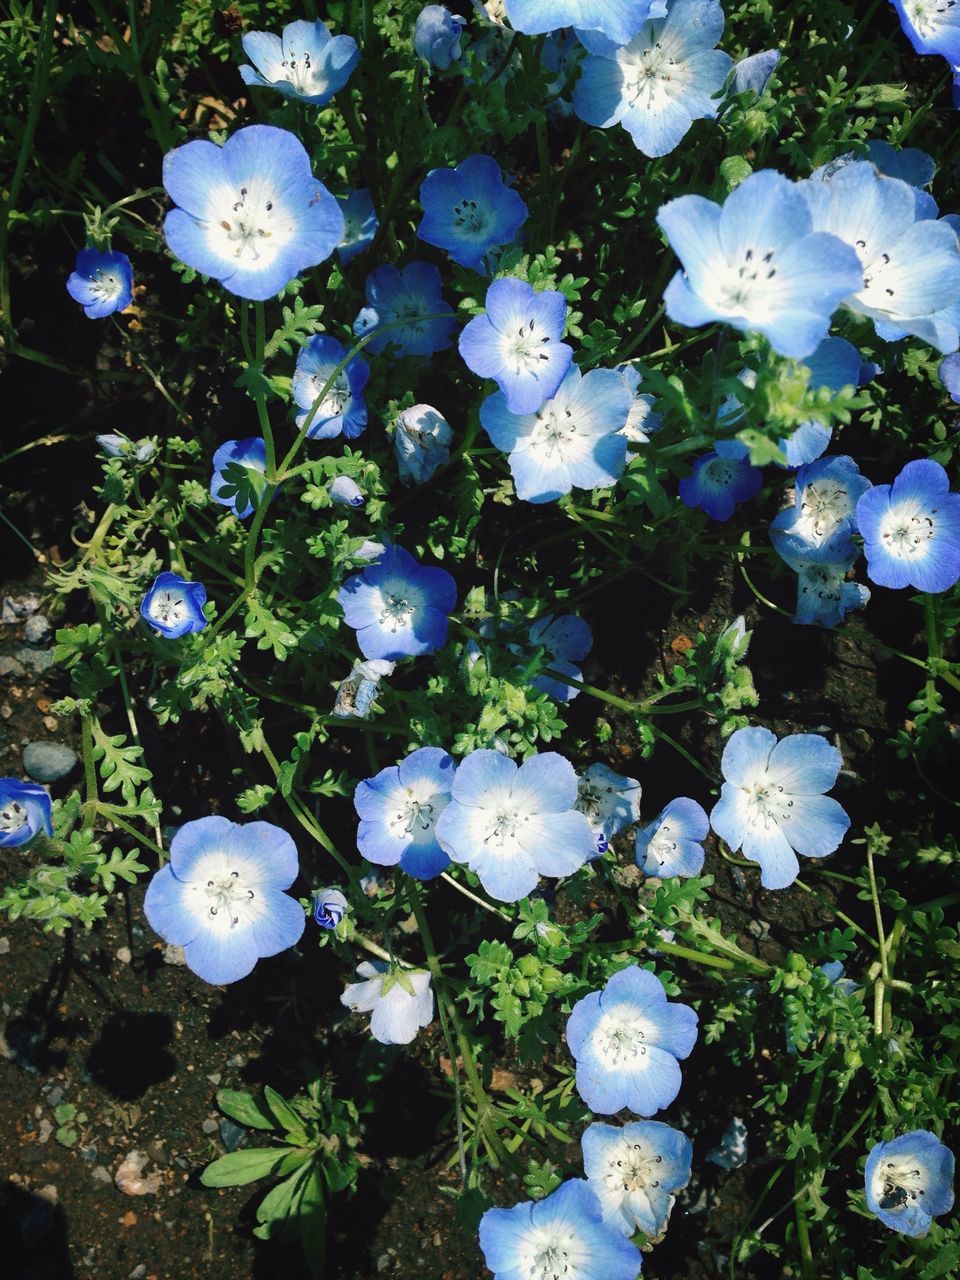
(110, 813)
(89, 770)
(260, 399)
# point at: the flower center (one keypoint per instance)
(769, 803)
(906, 533)
(899, 1184)
(635, 1172)
(248, 225)
(106, 284)
(168, 607)
(651, 71)
(821, 580)
(555, 430)
(873, 283)
(719, 472)
(523, 349)
(415, 816)
(928, 15)
(506, 825)
(746, 285)
(661, 847)
(13, 816)
(470, 220)
(335, 402)
(228, 896)
(621, 1042)
(823, 506)
(301, 72)
(397, 611)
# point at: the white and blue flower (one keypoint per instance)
(345, 492)
(102, 282)
(824, 596)
(409, 301)
(568, 640)
(619, 22)
(329, 908)
(399, 1001)
(826, 493)
(436, 36)
(399, 810)
(306, 62)
(635, 1172)
(911, 529)
(343, 408)
(752, 74)
(721, 480)
(174, 607)
(931, 26)
(469, 210)
(397, 607)
(672, 845)
(228, 486)
(360, 224)
(24, 812)
(641, 421)
(909, 1181)
(609, 801)
(421, 443)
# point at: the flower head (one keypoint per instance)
(24, 812)
(469, 210)
(568, 640)
(329, 907)
(357, 694)
(609, 801)
(757, 263)
(512, 825)
(626, 1040)
(671, 845)
(228, 485)
(911, 529)
(618, 22)
(825, 502)
(220, 896)
(931, 26)
(101, 282)
(399, 810)
(721, 480)
(572, 440)
(250, 213)
(772, 804)
(421, 443)
(343, 408)
(306, 62)
(641, 421)
(399, 608)
(436, 36)
(400, 1001)
(116, 445)
(635, 1172)
(753, 74)
(345, 492)
(409, 302)
(909, 1181)
(360, 224)
(517, 343)
(563, 1235)
(666, 77)
(824, 596)
(174, 607)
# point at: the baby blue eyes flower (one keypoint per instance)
(357, 694)
(306, 62)
(115, 445)
(909, 1181)
(410, 302)
(772, 804)
(824, 596)
(469, 210)
(517, 343)
(826, 493)
(619, 22)
(360, 224)
(659, 83)
(101, 282)
(949, 375)
(436, 36)
(345, 492)
(251, 455)
(329, 908)
(931, 26)
(909, 164)
(573, 440)
(756, 263)
(343, 408)
(568, 640)
(641, 421)
(635, 1172)
(421, 443)
(562, 1236)
(250, 213)
(671, 844)
(609, 802)
(399, 810)
(512, 825)
(753, 74)
(911, 529)
(24, 812)
(721, 480)
(626, 1040)
(174, 607)
(399, 608)
(400, 1001)
(221, 898)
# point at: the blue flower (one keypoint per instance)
(101, 282)
(400, 1001)
(909, 164)
(635, 1172)
(753, 74)
(24, 812)
(399, 608)
(115, 445)
(250, 213)
(949, 375)
(721, 480)
(931, 26)
(360, 224)
(250, 454)
(512, 825)
(345, 492)
(572, 440)
(343, 408)
(609, 801)
(329, 908)
(824, 597)
(469, 210)
(517, 343)
(756, 263)
(626, 1040)
(568, 640)
(671, 845)
(911, 529)
(357, 694)
(436, 36)
(221, 898)
(563, 1235)
(174, 607)
(909, 1181)
(826, 493)
(618, 22)
(910, 260)
(641, 421)
(306, 62)
(659, 83)
(409, 301)
(421, 443)
(399, 810)
(772, 804)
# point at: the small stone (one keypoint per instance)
(55, 1096)
(138, 1272)
(129, 1219)
(14, 608)
(210, 1125)
(6, 711)
(130, 1180)
(124, 955)
(49, 761)
(38, 631)
(231, 1134)
(215, 1077)
(11, 667)
(173, 955)
(51, 724)
(758, 929)
(103, 1175)
(46, 1129)
(4, 946)
(37, 660)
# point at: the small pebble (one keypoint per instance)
(138, 1272)
(6, 711)
(215, 1077)
(14, 608)
(51, 724)
(124, 955)
(100, 1174)
(210, 1125)
(37, 660)
(231, 1134)
(37, 630)
(49, 761)
(173, 955)
(11, 667)
(4, 946)
(55, 1096)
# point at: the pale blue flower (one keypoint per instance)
(24, 812)
(421, 443)
(306, 62)
(360, 224)
(824, 596)
(568, 640)
(635, 1172)
(826, 493)
(469, 210)
(329, 908)
(343, 408)
(753, 74)
(436, 36)
(641, 421)
(249, 454)
(672, 845)
(399, 1001)
(619, 21)
(174, 607)
(931, 26)
(909, 1181)
(721, 480)
(399, 608)
(911, 529)
(409, 301)
(102, 282)
(609, 801)
(345, 492)
(399, 810)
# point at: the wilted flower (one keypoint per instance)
(421, 443)
(909, 1181)
(410, 302)
(329, 907)
(636, 1171)
(671, 845)
(343, 408)
(24, 812)
(359, 224)
(436, 36)
(174, 607)
(251, 455)
(469, 210)
(400, 1001)
(345, 492)
(399, 608)
(102, 282)
(911, 529)
(357, 694)
(399, 809)
(306, 62)
(721, 480)
(609, 801)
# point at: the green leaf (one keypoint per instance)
(241, 1167)
(312, 1215)
(734, 170)
(280, 1203)
(245, 1109)
(118, 764)
(285, 1114)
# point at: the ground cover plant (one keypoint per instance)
(509, 637)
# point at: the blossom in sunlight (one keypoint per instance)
(399, 1001)
(399, 810)
(221, 898)
(469, 210)
(619, 22)
(360, 224)
(251, 455)
(911, 529)
(306, 62)
(397, 607)
(512, 825)
(609, 801)
(636, 1171)
(357, 694)
(250, 213)
(174, 607)
(772, 805)
(656, 85)
(931, 26)
(641, 421)
(672, 845)
(343, 409)
(421, 443)
(563, 1236)
(345, 492)
(568, 640)
(24, 812)
(757, 263)
(909, 1181)
(329, 907)
(102, 282)
(824, 596)
(910, 164)
(721, 480)
(626, 1040)
(436, 36)
(409, 302)
(825, 501)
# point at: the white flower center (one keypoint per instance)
(747, 286)
(555, 430)
(397, 611)
(635, 1171)
(824, 505)
(505, 826)
(929, 16)
(416, 813)
(249, 225)
(524, 348)
(719, 472)
(896, 1183)
(822, 581)
(907, 532)
(168, 607)
(13, 816)
(335, 402)
(620, 1040)
(306, 77)
(228, 897)
(470, 220)
(647, 76)
(662, 846)
(107, 285)
(769, 804)
(592, 800)
(878, 272)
